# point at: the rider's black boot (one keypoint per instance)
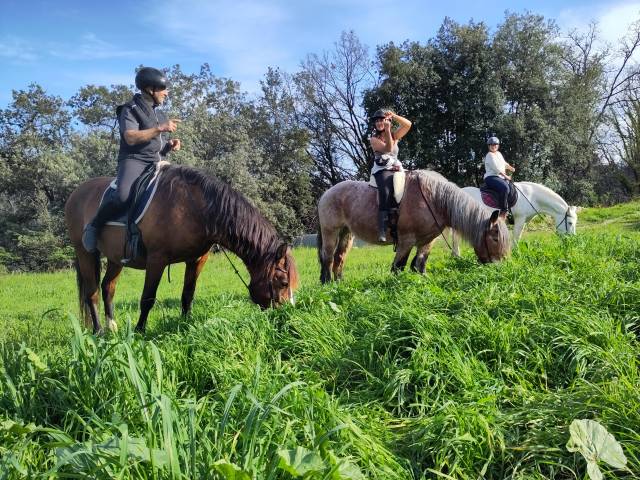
(106, 212)
(383, 216)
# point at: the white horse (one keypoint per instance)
(533, 199)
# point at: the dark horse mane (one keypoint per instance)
(231, 218)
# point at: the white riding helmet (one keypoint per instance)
(493, 141)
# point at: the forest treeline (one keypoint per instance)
(565, 106)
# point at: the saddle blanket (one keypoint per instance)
(399, 180)
(141, 207)
(489, 196)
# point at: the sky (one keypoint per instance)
(64, 45)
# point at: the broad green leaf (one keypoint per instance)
(230, 471)
(35, 359)
(593, 470)
(17, 428)
(300, 461)
(349, 471)
(82, 455)
(595, 444)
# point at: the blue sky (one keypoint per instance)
(65, 44)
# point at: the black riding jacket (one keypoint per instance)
(138, 114)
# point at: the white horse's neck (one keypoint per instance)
(544, 199)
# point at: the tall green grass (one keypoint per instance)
(469, 371)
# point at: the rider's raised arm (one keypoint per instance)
(403, 129)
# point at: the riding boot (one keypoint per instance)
(108, 210)
(383, 216)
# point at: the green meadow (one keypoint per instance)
(468, 372)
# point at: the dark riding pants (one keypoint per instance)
(501, 187)
(128, 171)
(384, 181)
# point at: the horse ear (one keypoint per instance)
(494, 218)
(282, 251)
(577, 209)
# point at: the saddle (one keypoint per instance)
(490, 198)
(399, 180)
(142, 192)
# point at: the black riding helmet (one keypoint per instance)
(151, 77)
(378, 114)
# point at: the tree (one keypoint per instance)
(331, 88)
(37, 176)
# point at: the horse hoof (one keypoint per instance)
(112, 326)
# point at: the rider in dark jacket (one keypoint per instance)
(141, 144)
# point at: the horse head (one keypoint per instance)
(278, 280)
(495, 240)
(567, 222)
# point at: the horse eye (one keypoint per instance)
(285, 284)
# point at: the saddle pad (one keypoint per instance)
(399, 179)
(140, 209)
(489, 197)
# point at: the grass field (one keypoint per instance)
(466, 372)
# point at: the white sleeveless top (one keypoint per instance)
(391, 160)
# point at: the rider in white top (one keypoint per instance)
(496, 177)
(384, 143)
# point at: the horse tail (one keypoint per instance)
(83, 306)
(319, 241)
(344, 240)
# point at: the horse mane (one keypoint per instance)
(231, 219)
(465, 214)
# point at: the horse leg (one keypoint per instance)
(191, 275)
(455, 243)
(327, 248)
(108, 290)
(402, 255)
(88, 277)
(155, 269)
(345, 242)
(419, 262)
(518, 228)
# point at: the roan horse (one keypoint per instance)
(533, 199)
(430, 204)
(190, 212)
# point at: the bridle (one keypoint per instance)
(284, 270)
(564, 220)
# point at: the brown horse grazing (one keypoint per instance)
(430, 203)
(189, 213)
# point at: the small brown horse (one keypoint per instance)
(430, 203)
(190, 212)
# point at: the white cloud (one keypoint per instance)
(90, 47)
(244, 36)
(613, 19)
(17, 50)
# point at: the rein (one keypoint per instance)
(224, 250)
(433, 215)
(566, 213)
